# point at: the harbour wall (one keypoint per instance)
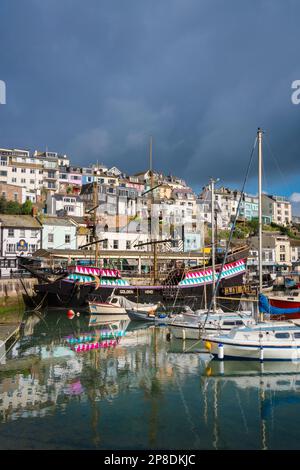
(12, 290)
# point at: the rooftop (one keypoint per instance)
(24, 221)
(58, 221)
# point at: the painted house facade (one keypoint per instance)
(58, 233)
(20, 235)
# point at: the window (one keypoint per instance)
(15, 196)
(282, 247)
(11, 232)
(31, 181)
(4, 194)
(23, 170)
(32, 171)
(33, 233)
(116, 244)
(32, 248)
(128, 244)
(22, 233)
(282, 257)
(67, 238)
(23, 180)
(105, 244)
(296, 335)
(14, 180)
(11, 248)
(14, 170)
(50, 237)
(282, 335)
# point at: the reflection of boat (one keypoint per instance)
(247, 374)
(101, 319)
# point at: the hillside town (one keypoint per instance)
(50, 209)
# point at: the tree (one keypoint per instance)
(27, 207)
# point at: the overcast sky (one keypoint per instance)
(95, 78)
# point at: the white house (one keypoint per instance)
(62, 204)
(20, 235)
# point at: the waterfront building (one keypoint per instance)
(226, 202)
(62, 204)
(20, 169)
(87, 175)
(20, 235)
(268, 262)
(277, 209)
(204, 210)
(295, 253)
(249, 207)
(58, 233)
(12, 192)
(281, 249)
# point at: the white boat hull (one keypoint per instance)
(106, 309)
(254, 352)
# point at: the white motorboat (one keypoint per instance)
(263, 341)
(117, 304)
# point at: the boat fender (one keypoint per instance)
(208, 345)
(220, 351)
(261, 354)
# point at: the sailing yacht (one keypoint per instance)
(265, 340)
(191, 325)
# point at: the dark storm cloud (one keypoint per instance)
(96, 78)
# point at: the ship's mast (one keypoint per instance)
(259, 139)
(95, 237)
(151, 205)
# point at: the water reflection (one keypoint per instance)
(139, 391)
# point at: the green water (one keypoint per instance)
(144, 392)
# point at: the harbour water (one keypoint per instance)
(143, 391)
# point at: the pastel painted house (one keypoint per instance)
(59, 233)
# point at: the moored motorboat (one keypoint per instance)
(145, 316)
(117, 304)
(263, 341)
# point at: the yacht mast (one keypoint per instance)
(259, 139)
(213, 248)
